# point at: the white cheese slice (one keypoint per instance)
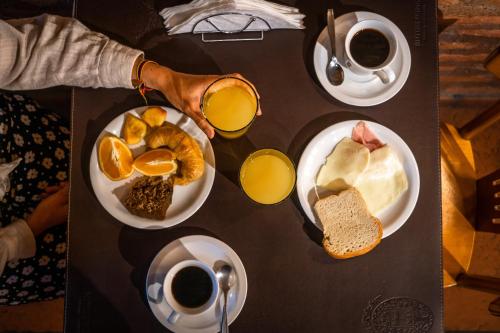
(343, 166)
(383, 181)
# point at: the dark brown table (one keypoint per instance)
(293, 285)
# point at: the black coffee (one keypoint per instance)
(192, 287)
(369, 48)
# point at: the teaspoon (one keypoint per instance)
(334, 71)
(226, 280)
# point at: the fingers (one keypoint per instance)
(239, 76)
(204, 125)
(63, 194)
(52, 189)
(259, 111)
(189, 89)
(59, 192)
(60, 214)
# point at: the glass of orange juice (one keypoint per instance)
(267, 176)
(230, 105)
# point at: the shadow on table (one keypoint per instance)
(297, 146)
(94, 128)
(149, 243)
(85, 308)
(164, 50)
(230, 155)
(315, 21)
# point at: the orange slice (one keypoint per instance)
(156, 162)
(115, 158)
(134, 129)
(154, 116)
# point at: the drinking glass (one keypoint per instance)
(235, 115)
(267, 176)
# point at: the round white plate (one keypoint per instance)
(314, 156)
(186, 199)
(356, 89)
(210, 251)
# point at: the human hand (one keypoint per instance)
(51, 211)
(184, 91)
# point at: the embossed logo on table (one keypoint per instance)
(397, 315)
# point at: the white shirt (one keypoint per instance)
(46, 51)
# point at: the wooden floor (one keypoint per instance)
(466, 87)
(35, 317)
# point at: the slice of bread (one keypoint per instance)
(348, 227)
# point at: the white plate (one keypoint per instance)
(208, 250)
(360, 90)
(314, 156)
(186, 199)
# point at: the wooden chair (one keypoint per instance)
(492, 62)
(488, 203)
(468, 204)
(481, 122)
(459, 232)
(482, 283)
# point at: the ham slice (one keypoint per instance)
(363, 135)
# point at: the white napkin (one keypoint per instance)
(197, 5)
(230, 15)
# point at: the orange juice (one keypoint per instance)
(267, 176)
(230, 105)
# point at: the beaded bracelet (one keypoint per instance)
(141, 86)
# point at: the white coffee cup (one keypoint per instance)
(178, 309)
(383, 71)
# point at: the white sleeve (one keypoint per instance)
(49, 50)
(16, 242)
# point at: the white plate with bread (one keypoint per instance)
(188, 194)
(386, 176)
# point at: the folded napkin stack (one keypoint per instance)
(230, 16)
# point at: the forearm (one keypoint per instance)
(50, 50)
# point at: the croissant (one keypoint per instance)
(189, 154)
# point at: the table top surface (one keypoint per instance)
(293, 285)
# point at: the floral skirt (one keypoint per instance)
(42, 139)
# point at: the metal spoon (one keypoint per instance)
(334, 71)
(226, 281)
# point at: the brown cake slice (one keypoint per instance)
(150, 197)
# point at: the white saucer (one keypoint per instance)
(313, 157)
(361, 90)
(208, 250)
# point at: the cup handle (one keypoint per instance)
(386, 75)
(173, 317)
(154, 292)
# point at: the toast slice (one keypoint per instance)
(349, 230)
